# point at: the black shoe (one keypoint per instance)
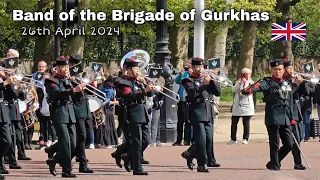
(52, 166)
(4, 171)
(117, 158)
(186, 143)
(2, 176)
(127, 164)
(50, 154)
(140, 173)
(185, 154)
(272, 167)
(24, 158)
(214, 164)
(78, 160)
(176, 144)
(202, 169)
(299, 167)
(190, 163)
(143, 161)
(68, 175)
(14, 166)
(85, 170)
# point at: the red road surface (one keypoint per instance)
(239, 162)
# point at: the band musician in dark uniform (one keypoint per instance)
(200, 87)
(297, 128)
(278, 96)
(133, 93)
(59, 92)
(84, 120)
(5, 132)
(123, 149)
(12, 97)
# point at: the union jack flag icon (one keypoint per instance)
(289, 31)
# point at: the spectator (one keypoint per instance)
(243, 106)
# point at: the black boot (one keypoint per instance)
(2, 176)
(213, 164)
(50, 154)
(272, 167)
(127, 163)
(52, 166)
(4, 171)
(143, 161)
(117, 158)
(85, 169)
(202, 169)
(68, 175)
(299, 167)
(14, 166)
(140, 173)
(24, 158)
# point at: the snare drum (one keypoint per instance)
(29, 118)
(98, 117)
(94, 103)
(22, 105)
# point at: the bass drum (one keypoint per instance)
(94, 103)
(22, 106)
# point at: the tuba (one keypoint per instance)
(139, 55)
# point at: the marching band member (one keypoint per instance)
(84, 119)
(133, 93)
(15, 116)
(109, 136)
(297, 130)
(63, 117)
(200, 89)
(279, 109)
(5, 132)
(31, 94)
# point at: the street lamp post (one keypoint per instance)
(168, 115)
(198, 48)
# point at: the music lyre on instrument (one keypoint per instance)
(144, 58)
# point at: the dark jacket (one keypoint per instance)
(59, 98)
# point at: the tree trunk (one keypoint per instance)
(247, 45)
(75, 44)
(178, 44)
(216, 44)
(44, 45)
(283, 49)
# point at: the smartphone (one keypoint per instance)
(246, 76)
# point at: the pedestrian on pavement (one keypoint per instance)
(243, 107)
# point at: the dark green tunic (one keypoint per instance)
(59, 94)
(278, 96)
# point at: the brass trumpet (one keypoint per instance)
(222, 78)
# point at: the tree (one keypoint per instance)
(75, 44)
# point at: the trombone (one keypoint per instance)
(307, 77)
(19, 76)
(222, 78)
(158, 88)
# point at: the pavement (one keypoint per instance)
(258, 132)
(239, 161)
